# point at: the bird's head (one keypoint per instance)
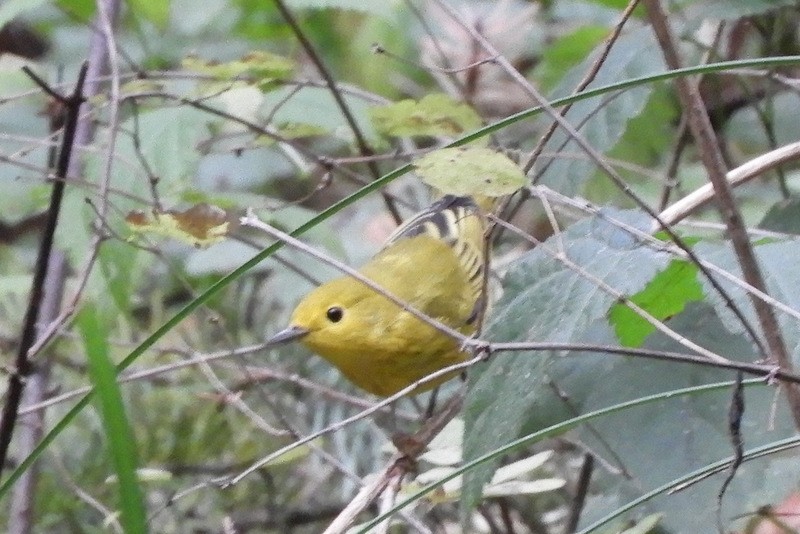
(331, 315)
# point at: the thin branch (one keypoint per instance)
(590, 75)
(735, 177)
(703, 133)
(769, 372)
(23, 498)
(397, 467)
(581, 491)
(361, 141)
(22, 366)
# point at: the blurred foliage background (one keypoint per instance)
(198, 112)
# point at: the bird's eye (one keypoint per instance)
(334, 314)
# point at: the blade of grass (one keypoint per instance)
(119, 435)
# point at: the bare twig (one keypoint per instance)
(583, 84)
(396, 468)
(21, 511)
(735, 414)
(768, 372)
(703, 133)
(22, 366)
(361, 141)
(735, 177)
(581, 490)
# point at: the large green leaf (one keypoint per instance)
(544, 300)
(661, 442)
(652, 444)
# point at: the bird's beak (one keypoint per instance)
(287, 335)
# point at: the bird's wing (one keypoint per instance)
(458, 222)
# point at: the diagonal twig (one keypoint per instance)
(22, 364)
(361, 141)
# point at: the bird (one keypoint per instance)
(434, 262)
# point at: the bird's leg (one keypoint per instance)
(431, 403)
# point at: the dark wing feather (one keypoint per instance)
(457, 221)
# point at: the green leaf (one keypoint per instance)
(82, 10)
(666, 295)
(470, 171)
(156, 11)
(262, 66)
(783, 217)
(436, 114)
(118, 262)
(201, 225)
(119, 436)
(646, 525)
(314, 106)
(731, 9)
(299, 130)
(544, 300)
(567, 51)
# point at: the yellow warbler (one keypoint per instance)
(434, 262)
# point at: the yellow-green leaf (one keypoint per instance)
(156, 11)
(261, 66)
(470, 171)
(435, 114)
(202, 225)
(665, 295)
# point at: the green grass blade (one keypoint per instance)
(119, 435)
